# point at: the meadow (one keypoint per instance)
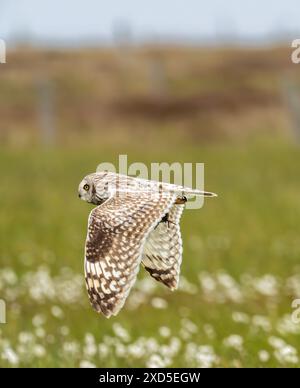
(240, 270)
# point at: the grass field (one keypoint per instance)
(234, 110)
(240, 271)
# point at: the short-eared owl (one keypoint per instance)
(136, 221)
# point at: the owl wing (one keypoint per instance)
(162, 253)
(117, 231)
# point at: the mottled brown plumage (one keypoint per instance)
(135, 221)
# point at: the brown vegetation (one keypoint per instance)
(97, 92)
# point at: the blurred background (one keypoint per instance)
(168, 81)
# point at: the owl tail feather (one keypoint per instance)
(199, 192)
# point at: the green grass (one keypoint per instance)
(252, 228)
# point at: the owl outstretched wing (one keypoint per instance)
(162, 254)
(117, 231)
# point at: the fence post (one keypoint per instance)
(291, 94)
(46, 111)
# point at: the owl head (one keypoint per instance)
(87, 190)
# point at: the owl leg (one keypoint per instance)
(165, 219)
(181, 200)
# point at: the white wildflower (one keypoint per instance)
(159, 303)
(207, 282)
(71, 348)
(121, 350)
(26, 337)
(287, 354)
(186, 286)
(263, 356)
(266, 285)
(85, 364)
(40, 332)
(39, 351)
(137, 349)
(64, 330)
(286, 326)
(262, 322)
(189, 325)
(174, 345)
(240, 317)
(234, 341)
(121, 332)
(90, 348)
(103, 350)
(10, 356)
(57, 312)
(276, 342)
(38, 320)
(164, 331)
(209, 331)
(200, 356)
(155, 361)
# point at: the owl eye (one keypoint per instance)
(86, 187)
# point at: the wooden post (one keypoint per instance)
(291, 92)
(46, 112)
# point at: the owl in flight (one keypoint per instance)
(136, 221)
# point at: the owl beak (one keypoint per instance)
(79, 195)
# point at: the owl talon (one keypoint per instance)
(165, 220)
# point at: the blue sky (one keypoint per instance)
(80, 19)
